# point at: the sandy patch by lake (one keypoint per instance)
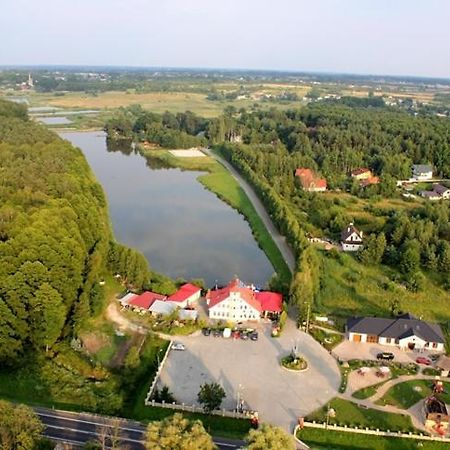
(188, 153)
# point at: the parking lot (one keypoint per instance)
(347, 350)
(251, 370)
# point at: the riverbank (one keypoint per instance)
(220, 181)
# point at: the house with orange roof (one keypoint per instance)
(365, 176)
(310, 181)
(238, 302)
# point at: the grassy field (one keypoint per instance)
(404, 395)
(219, 181)
(158, 102)
(349, 287)
(350, 414)
(318, 439)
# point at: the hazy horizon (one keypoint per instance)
(406, 38)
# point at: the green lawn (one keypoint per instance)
(368, 391)
(319, 439)
(404, 395)
(328, 340)
(350, 414)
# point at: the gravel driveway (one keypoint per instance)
(253, 370)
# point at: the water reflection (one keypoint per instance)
(183, 229)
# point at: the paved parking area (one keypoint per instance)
(252, 369)
(347, 350)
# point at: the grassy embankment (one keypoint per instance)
(319, 439)
(219, 181)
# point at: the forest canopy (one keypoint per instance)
(55, 237)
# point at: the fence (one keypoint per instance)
(377, 432)
(157, 374)
(198, 409)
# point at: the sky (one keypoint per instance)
(391, 37)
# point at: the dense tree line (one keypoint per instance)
(333, 139)
(55, 238)
(182, 130)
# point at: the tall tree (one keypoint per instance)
(269, 437)
(211, 396)
(178, 433)
(20, 427)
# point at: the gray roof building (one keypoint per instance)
(403, 326)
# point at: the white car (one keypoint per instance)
(178, 346)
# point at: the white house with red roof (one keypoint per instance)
(185, 296)
(238, 302)
(144, 301)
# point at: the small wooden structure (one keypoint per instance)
(436, 415)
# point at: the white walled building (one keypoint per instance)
(238, 302)
(351, 239)
(405, 332)
(422, 172)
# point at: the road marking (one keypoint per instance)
(122, 438)
(53, 416)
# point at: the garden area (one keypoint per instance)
(404, 395)
(343, 412)
(292, 362)
(319, 439)
(395, 370)
(328, 339)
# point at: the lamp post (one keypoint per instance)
(328, 415)
(157, 357)
(308, 313)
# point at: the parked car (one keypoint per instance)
(206, 331)
(386, 356)
(236, 334)
(178, 346)
(423, 360)
(244, 335)
(217, 332)
(254, 336)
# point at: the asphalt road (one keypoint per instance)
(78, 428)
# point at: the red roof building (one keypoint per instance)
(186, 294)
(270, 301)
(310, 181)
(238, 302)
(145, 300)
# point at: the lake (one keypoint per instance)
(54, 120)
(182, 229)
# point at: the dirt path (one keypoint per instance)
(279, 240)
(124, 324)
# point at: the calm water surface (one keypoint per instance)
(54, 120)
(182, 229)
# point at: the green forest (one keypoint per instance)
(56, 250)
